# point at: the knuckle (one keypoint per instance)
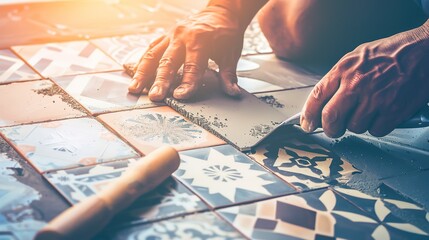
(192, 68)
(317, 91)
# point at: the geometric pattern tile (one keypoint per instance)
(255, 41)
(103, 92)
(223, 176)
(393, 210)
(148, 129)
(126, 49)
(67, 58)
(169, 199)
(14, 69)
(67, 143)
(303, 163)
(320, 214)
(35, 101)
(26, 201)
(198, 226)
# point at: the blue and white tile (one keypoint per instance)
(126, 49)
(14, 69)
(67, 58)
(397, 213)
(198, 226)
(313, 215)
(67, 143)
(26, 201)
(103, 92)
(169, 199)
(223, 176)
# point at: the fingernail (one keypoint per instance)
(134, 83)
(179, 90)
(308, 126)
(154, 90)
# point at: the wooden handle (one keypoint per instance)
(87, 218)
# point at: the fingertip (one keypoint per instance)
(135, 87)
(233, 90)
(184, 91)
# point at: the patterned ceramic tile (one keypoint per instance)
(396, 212)
(26, 201)
(169, 199)
(199, 226)
(319, 214)
(14, 69)
(148, 129)
(254, 40)
(36, 101)
(126, 49)
(68, 58)
(222, 176)
(68, 143)
(102, 92)
(303, 163)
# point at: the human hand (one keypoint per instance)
(374, 88)
(214, 33)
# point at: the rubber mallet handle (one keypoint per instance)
(87, 218)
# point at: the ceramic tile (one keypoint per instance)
(14, 69)
(256, 86)
(288, 102)
(413, 186)
(35, 101)
(126, 49)
(26, 201)
(103, 92)
(319, 214)
(169, 199)
(279, 72)
(396, 212)
(148, 129)
(199, 226)
(67, 143)
(223, 176)
(218, 113)
(255, 41)
(302, 162)
(67, 58)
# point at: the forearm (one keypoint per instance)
(245, 9)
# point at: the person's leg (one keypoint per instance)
(324, 30)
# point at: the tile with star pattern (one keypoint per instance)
(14, 69)
(300, 161)
(197, 226)
(398, 213)
(67, 143)
(66, 58)
(126, 49)
(35, 101)
(103, 92)
(148, 129)
(170, 199)
(320, 214)
(223, 176)
(27, 202)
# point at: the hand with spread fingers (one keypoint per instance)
(374, 88)
(214, 33)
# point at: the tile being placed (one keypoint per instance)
(223, 176)
(67, 143)
(320, 214)
(289, 102)
(297, 159)
(126, 49)
(14, 69)
(398, 213)
(279, 72)
(148, 129)
(103, 92)
(36, 101)
(27, 202)
(198, 226)
(67, 58)
(256, 86)
(169, 199)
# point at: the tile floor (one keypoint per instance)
(77, 131)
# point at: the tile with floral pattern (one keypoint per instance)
(223, 176)
(148, 129)
(67, 143)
